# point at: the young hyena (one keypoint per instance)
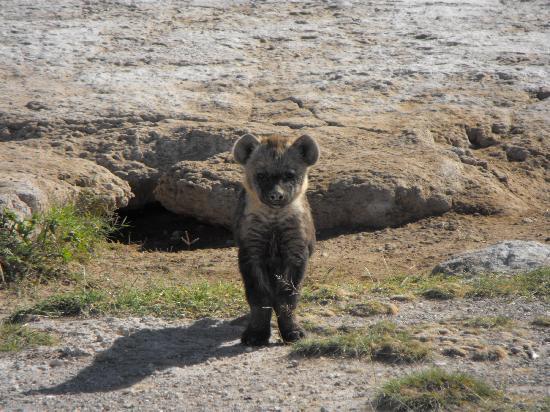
(274, 230)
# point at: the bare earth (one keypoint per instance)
(434, 122)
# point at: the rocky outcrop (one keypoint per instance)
(508, 257)
(33, 180)
(352, 186)
(159, 104)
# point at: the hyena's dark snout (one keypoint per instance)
(276, 195)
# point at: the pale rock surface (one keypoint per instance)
(33, 180)
(508, 257)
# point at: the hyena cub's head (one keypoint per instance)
(276, 168)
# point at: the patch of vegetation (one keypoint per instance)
(435, 390)
(535, 284)
(489, 322)
(198, 300)
(40, 247)
(542, 321)
(86, 302)
(15, 338)
(371, 308)
(222, 299)
(383, 341)
(315, 327)
(322, 295)
(492, 354)
(439, 293)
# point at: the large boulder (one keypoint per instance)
(508, 257)
(358, 182)
(32, 180)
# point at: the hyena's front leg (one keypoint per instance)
(258, 331)
(286, 300)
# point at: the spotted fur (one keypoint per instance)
(274, 230)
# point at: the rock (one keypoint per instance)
(508, 257)
(33, 105)
(372, 193)
(32, 180)
(499, 128)
(70, 352)
(516, 154)
(543, 93)
(480, 137)
(55, 363)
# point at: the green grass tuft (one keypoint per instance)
(435, 390)
(533, 285)
(195, 301)
(87, 302)
(322, 295)
(15, 338)
(221, 299)
(382, 341)
(439, 293)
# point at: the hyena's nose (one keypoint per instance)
(276, 195)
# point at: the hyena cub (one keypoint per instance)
(274, 230)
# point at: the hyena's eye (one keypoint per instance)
(289, 176)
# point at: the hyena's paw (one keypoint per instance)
(252, 337)
(293, 335)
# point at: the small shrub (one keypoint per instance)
(434, 390)
(382, 341)
(40, 247)
(17, 337)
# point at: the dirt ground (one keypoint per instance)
(133, 363)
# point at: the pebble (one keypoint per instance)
(55, 363)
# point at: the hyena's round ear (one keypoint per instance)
(308, 148)
(244, 147)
